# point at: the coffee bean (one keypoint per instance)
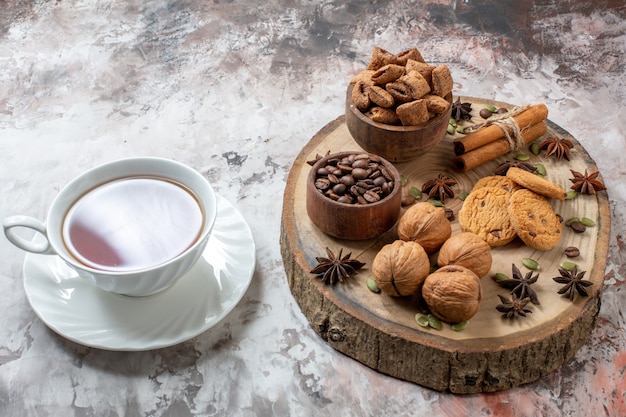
(347, 180)
(379, 181)
(359, 173)
(571, 251)
(485, 113)
(386, 173)
(346, 199)
(361, 163)
(578, 227)
(375, 173)
(371, 196)
(344, 168)
(322, 183)
(340, 189)
(407, 200)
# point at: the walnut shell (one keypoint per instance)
(400, 268)
(425, 224)
(466, 249)
(452, 293)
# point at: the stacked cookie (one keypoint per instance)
(500, 208)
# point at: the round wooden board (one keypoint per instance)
(492, 353)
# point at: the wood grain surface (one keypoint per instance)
(492, 353)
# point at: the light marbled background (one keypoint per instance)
(235, 90)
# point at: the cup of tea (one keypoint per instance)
(133, 226)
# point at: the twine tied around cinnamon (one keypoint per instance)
(507, 124)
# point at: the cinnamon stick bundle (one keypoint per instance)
(529, 117)
(497, 148)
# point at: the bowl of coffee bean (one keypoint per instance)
(353, 195)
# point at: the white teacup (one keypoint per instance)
(119, 209)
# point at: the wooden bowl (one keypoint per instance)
(353, 221)
(395, 143)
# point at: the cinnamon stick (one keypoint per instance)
(531, 116)
(495, 149)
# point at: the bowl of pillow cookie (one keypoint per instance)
(399, 106)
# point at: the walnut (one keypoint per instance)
(466, 249)
(425, 224)
(452, 293)
(400, 268)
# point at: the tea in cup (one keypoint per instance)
(132, 226)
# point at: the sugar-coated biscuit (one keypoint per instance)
(534, 220)
(418, 84)
(536, 183)
(364, 76)
(387, 74)
(361, 95)
(413, 113)
(401, 58)
(423, 68)
(484, 212)
(442, 81)
(436, 104)
(383, 115)
(381, 97)
(380, 58)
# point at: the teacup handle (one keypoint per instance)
(11, 223)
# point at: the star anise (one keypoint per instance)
(317, 158)
(461, 111)
(504, 167)
(439, 188)
(586, 183)
(574, 282)
(335, 268)
(514, 307)
(520, 285)
(557, 147)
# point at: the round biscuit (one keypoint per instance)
(535, 183)
(485, 213)
(534, 220)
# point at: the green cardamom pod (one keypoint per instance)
(568, 266)
(499, 276)
(371, 284)
(570, 194)
(415, 192)
(534, 148)
(421, 319)
(434, 322)
(457, 327)
(491, 108)
(530, 263)
(541, 170)
(587, 221)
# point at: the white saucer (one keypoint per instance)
(87, 315)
